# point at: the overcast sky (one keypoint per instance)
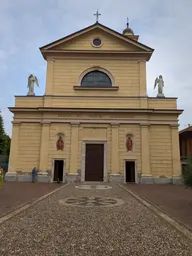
(162, 25)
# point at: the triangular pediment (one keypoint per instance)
(83, 41)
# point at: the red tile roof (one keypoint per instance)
(188, 129)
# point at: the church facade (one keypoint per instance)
(95, 121)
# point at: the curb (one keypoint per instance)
(27, 205)
(161, 214)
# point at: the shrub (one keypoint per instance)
(1, 180)
(187, 173)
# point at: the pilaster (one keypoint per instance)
(143, 86)
(49, 77)
(43, 161)
(14, 153)
(74, 148)
(176, 172)
(114, 149)
(145, 155)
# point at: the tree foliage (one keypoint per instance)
(2, 136)
(7, 145)
(4, 139)
(187, 173)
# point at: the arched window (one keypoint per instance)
(96, 78)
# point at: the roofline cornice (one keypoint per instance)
(89, 28)
(100, 110)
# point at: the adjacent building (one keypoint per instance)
(185, 140)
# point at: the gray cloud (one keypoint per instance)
(27, 25)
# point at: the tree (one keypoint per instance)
(4, 146)
(2, 136)
(187, 173)
(7, 141)
(4, 140)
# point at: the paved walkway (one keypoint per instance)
(15, 194)
(53, 228)
(175, 200)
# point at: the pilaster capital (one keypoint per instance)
(145, 125)
(114, 124)
(16, 123)
(45, 123)
(141, 60)
(50, 59)
(174, 126)
(75, 124)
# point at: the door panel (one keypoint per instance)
(94, 162)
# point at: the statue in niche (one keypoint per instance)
(160, 83)
(129, 143)
(60, 143)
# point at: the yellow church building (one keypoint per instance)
(95, 121)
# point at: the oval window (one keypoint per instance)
(97, 42)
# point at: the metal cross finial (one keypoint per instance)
(127, 22)
(97, 14)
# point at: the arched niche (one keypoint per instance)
(129, 142)
(60, 141)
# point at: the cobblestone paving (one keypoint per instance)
(50, 228)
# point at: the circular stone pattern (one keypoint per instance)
(93, 187)
(91, 201)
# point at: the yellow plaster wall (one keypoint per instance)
(24, 115)
(14, 149)
(29, 102)
(160, 146)
(84, 42)
(109, 148)
(162, 103)
(79, 156)
(52, 116)
(94, 102)
(56, 128)
(29, 146)
(160, 150)
(123, 154)
(66, 74)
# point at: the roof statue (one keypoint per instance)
(31, 82)
(159, 81)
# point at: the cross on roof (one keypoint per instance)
(97, 14)
(127, 22)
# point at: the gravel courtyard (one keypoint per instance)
(90, 226)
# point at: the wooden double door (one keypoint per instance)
(94, 162)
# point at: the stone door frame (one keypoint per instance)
(53, 165)
(136, 175)
(105, 173)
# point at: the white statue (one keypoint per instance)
(31, 81)
(160, 83)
